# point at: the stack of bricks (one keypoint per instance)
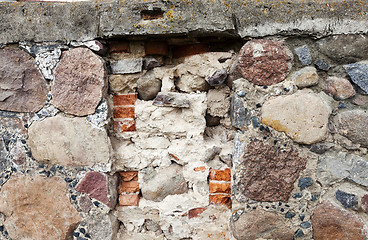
(220, 187)
(128, 189)
(124, 112)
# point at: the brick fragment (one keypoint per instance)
(220, 199)
(124, 112)
(220, 175)
(128, 187)
(129, 176)
(195, 212)
(119, 47)
(199, 169)
(126, 125)
(156, 48)
(129, 200)
(124, 99)
(220, 187)
(189, 50)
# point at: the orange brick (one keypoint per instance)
(220, 187)
(220, 175)
(220, 199)
(189, 50)
(195, 212)
(199, 169)
(125, 125)
(128, 187)
(129, 200)
(119, 47)
(124, 99)
(129, 176)
(156, 48)
(124, 112)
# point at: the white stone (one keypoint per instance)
(129, 65)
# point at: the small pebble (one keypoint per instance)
(305, 183)
(341, 105)
(299, 233)
(289, 215)
(82, 230)
(74, 197)
(96, 203)
(314, 198)
(301, 216)
(258, 105)
(306, 225)
(76, 234)
(297, 195)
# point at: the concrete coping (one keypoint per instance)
(87, 20)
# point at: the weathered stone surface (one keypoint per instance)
(304, 55)
(297, 116)
(339, 88)
(216, 77)
(322, 65)
(168, 181)
(37, 208)
(344, 48)
(268, 174)
(80, 80)
(85, 204)
(150, 62)
(305, 183)
(102, 226)
(239, 115)
(192, 73)
(346, 199)
(329, 222)
(352, 124)
(68, 141)
(125, 83)
(100, 187)
(305, 77)
(334, 166)
(265, 62)
(22, 87)
(218, 101)
(125, 66)
(149, 85)
(364, 202)
(171, 99)
(259, 224)
(358, 73)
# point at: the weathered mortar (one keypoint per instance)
(195, 137)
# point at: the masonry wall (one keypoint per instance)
(196, 134)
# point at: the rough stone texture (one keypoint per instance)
(358, 73)
(194, 70)
(100, 187)
(239, 115)
(352, 124)
(102, 226)
(80, 80)
(344, 48)
(168, 181)
(304, 55)
(329, 222)
(364, 202)
(68, 141)
(22, 87)
(339, 88)
(322, 65)
(172, 99)
(305, 77)
(305, 183)
(125, 66)
(126, 83)
(259, 224)
(297, 116)
(37, 208)
(217, 77)
(149, 85)
(265, 62)
(334, 166)
(268, 174)
(218, 101)
(346, 199)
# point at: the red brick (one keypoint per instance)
(195, 212)
(189, 50)
(129, 200)
(156, 48)
(220, 199)
(128, 187)
(119, 47)
(129, 176)
(220, 175)
(220, 187)
(200, 169)
(124, 112)
(124, 99)
(125, 125)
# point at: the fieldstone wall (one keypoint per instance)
(134, 135)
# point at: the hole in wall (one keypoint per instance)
(152, 14)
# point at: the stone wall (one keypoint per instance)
(200, 134)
